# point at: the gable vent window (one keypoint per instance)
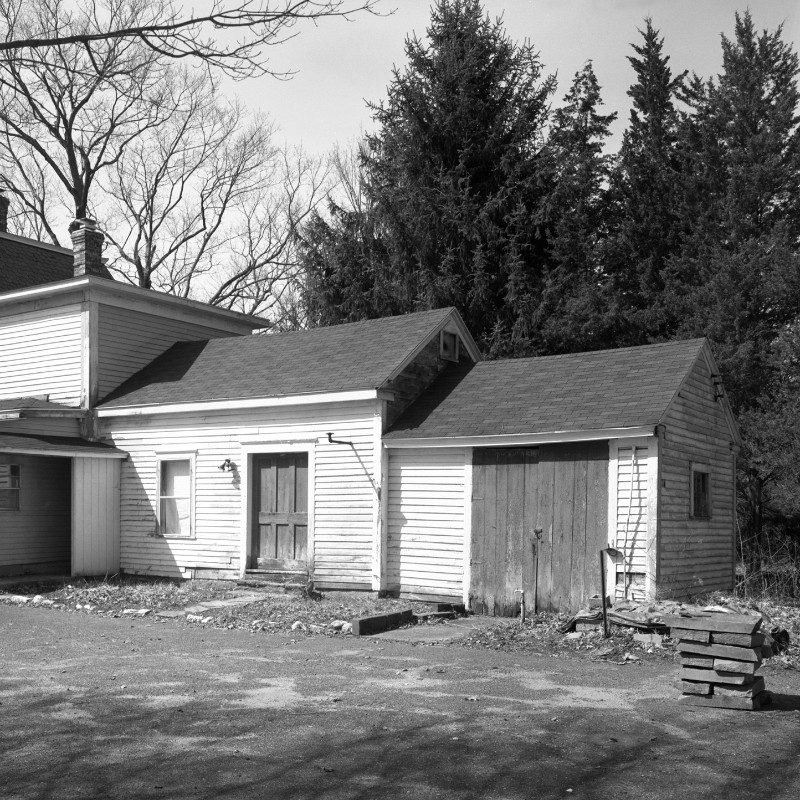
(9, 487)
(701, 492)
(448, 346)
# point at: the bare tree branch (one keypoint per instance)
(206, 206)
(74, 112)
(168, 30)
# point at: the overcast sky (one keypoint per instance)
(340, 65)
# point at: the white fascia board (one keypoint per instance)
(522, 439)
(53, 413)
(104, 290)
(30, 451)
(241, 404)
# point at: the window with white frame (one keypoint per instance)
(9, 487)
(701, 491)
(175, 495)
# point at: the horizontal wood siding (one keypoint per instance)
(42, 426)
(426, 521)
(696, 555)
(95, 516)
(40, 354)
(129, 340)
(37, 537)
(631, 528)
(344, 487)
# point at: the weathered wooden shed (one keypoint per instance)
(511, 476)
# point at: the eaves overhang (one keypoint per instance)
(523, 439)
(243, 403)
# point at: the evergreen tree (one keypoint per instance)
(574, 313)
(647, 188)
(737, 277)
(453, 173)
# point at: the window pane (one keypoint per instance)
(175, 479)
(700, 491)
(9, 487)
(9, 499)
(175, 517)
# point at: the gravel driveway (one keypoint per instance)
(97, 707)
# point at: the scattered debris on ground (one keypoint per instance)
(222, 604)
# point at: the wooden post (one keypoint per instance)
(603, 594)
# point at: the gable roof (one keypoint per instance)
(350, 357)
(27, 262)
(607, 389)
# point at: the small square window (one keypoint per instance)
(175, 497)
(448, 346)
(701, 493)
(9, 487)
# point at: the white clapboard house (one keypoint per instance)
(154, 435)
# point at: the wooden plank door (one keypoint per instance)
(504, 508)
(539, 519)
(280, 524)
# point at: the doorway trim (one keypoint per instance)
(250, 450)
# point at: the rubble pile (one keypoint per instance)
(720, 655)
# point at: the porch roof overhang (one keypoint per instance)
(39, 406)
(62, 446)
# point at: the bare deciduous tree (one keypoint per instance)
(205, 205)
(72, 110)
(232, 36)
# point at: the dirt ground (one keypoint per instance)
(99, 707)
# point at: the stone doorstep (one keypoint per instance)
(210, 605)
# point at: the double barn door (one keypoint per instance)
(539, 518)
(280, 511)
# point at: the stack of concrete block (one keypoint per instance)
(719, 656)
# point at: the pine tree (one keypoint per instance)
(647, 187)
(453, 175)
(574, 313)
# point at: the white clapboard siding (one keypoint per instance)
(129, 340)
(426, 525)
(344, 488)
(95, 516)
(37, 537)
(631, 515)
(40, 353)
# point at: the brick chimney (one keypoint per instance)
(4, 203)
(87, 248)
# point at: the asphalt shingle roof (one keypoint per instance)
(627, 387)
(23, 265)
(32, 404)
(358, 355)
